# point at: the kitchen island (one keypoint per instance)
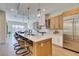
(42, 45)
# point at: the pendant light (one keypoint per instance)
(28, 13)
(39, 11)
(23, 17)
(28, 16)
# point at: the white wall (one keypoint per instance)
(2, 27)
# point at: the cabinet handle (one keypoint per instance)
(42, 44)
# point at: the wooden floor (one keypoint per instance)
(58, 51)
(6, 49)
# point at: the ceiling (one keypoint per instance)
(52, 8)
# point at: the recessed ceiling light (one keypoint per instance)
(38, 15)
(44, 9)
(12, 9)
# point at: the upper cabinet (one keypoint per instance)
(61, 21)
(71, 12)
(54, 22)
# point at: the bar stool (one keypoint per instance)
(16, 45)
(23, 50)
(24, 46)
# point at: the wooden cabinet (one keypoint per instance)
(42, 48)
(60, 22)
(39, 45)
(71, 12)
(56, 22)
(52, 23)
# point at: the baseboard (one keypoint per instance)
(57, 45)
(71, 50)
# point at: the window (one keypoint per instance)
(18, 28)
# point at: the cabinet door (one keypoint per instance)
(43, 48)
(56, 21)
(60, 22)
(52, 23)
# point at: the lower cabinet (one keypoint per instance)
(42, 48)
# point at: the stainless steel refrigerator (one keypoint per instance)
(71, 34)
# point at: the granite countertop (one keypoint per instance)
(38, 37)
